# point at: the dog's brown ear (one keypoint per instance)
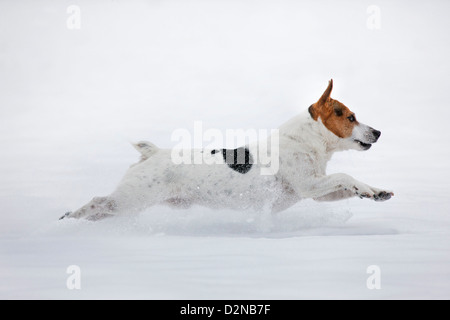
(327, 93)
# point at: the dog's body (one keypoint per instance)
(306, 144)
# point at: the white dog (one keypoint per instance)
(306, 144)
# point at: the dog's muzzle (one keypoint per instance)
(370, 136)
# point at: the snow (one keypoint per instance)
(72, 100)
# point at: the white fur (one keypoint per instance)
(305, 147)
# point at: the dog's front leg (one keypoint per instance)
(339, 184)
(336, 195)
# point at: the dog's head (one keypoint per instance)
(338, 119)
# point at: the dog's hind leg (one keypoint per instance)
(126, 199)
(98, 208)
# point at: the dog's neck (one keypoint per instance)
(311, 133)
(333, 142)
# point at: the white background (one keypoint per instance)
(72, 100)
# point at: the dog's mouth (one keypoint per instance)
(364, 146)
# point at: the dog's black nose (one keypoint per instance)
(376, 133)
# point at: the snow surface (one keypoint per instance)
(71, 100)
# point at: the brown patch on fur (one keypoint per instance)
(334, 114)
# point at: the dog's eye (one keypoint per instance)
(351, 118)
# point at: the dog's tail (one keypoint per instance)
(147, 149)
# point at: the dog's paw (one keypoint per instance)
(372, 193)
(383, 195)
(66, 215)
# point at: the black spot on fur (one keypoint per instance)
(239, 159)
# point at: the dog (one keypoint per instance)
(306, 143)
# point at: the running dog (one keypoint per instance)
(305, 145)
